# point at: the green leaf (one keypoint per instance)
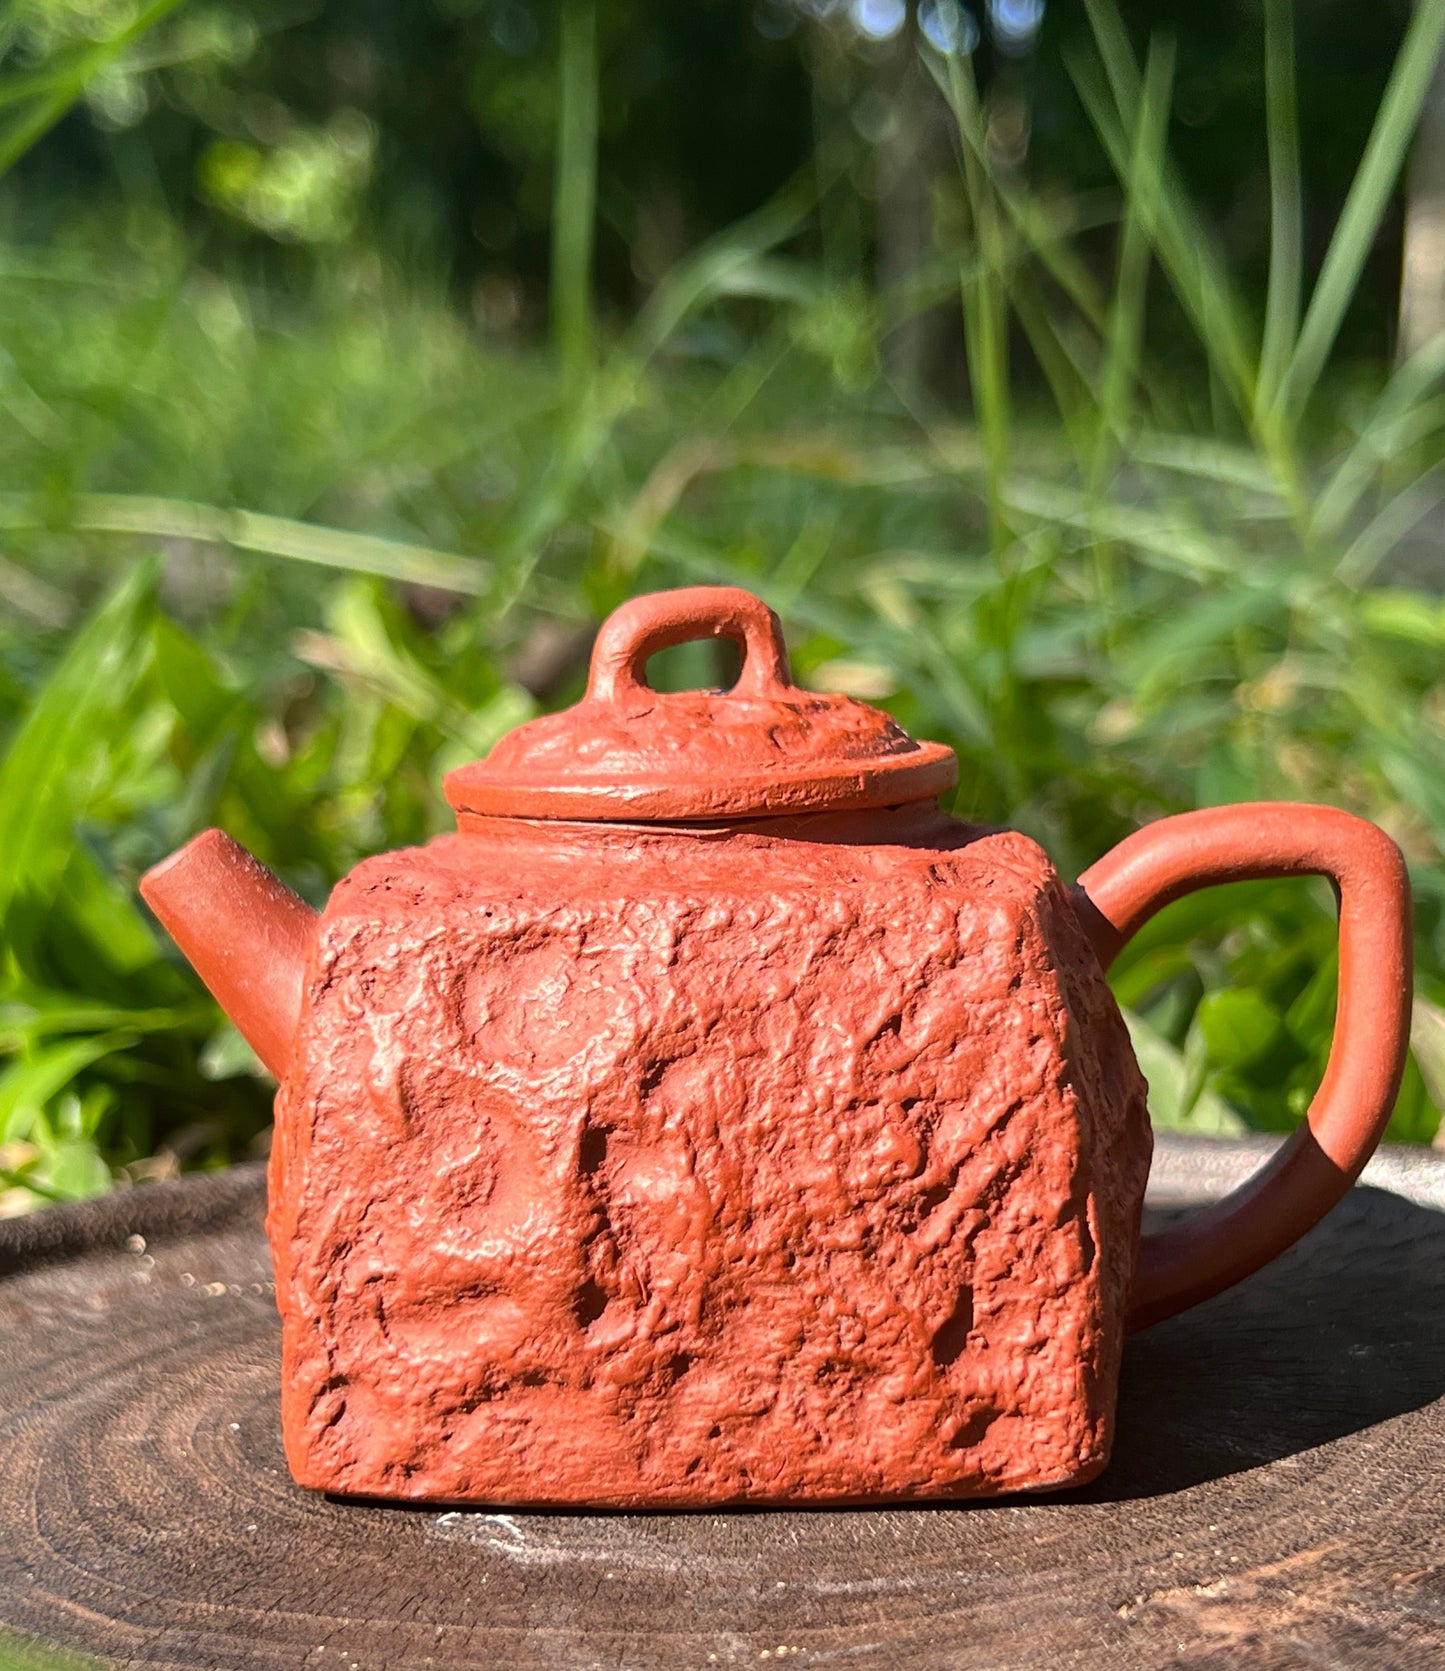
(31, 1013)
(189, 678)
(226, 1055)
(72, 1169)
(1411, 616)
(105, 913)
(1165, 653)
(57, 759)
(1238, 1027)
(1198, 916)
(1427, 1042)
(1178, 1100)
(1311, 1018)
(28, 1084)
(1416, 1116)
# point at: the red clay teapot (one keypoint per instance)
(711, 1119)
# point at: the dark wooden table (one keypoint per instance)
(1276, 1499)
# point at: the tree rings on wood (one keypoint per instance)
(1273, 1500)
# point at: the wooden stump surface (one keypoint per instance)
(1275, 1499)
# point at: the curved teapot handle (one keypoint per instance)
(1214, 1249)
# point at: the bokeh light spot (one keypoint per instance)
(1015, 23)
(878, 20)
(947, 26)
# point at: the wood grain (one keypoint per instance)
(1274, 1503)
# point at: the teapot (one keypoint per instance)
(711, 1119)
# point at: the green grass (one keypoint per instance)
(1147, 566)
(19, 1654)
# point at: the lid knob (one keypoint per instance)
(639, 629)
(764, 748)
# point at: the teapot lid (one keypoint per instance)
(628, 753)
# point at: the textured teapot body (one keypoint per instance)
(799, 1159)
(711, 1120)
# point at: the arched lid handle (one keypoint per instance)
(639, 629)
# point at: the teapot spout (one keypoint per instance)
(243, 932)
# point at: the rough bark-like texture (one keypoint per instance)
(633, 1168)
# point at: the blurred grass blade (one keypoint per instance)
(372, 654)
(61, 93)
(1124, 337)
(34, 1014)
(984, 292)
(268, 536)
(1163, 541)
(1164, 653)
(1196, 274)
(711, 269)
(1286, 206)
(1378, 440)
(1043, 228)
(1071, 380)
(1207, 459)
(1383, 533)
(1367, 203)
(588, 421)
(574, 199)
(1115, 53)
